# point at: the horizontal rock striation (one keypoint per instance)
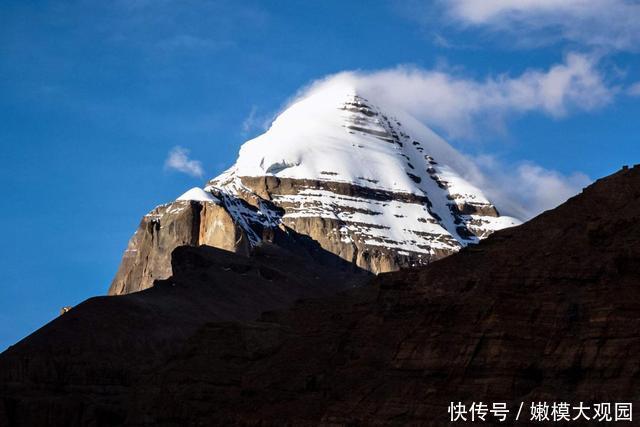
(183, 222)
(377, 192)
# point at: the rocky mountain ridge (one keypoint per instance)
(377, 192)
(510, 320)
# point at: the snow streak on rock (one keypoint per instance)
(379, 180)
(336, 175)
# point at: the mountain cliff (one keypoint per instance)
(374, 187)
(512, 319)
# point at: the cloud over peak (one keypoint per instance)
(465, 107)
(458, 105)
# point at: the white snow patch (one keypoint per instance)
(339, 134)
(199, 195)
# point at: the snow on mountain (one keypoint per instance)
(198, 194)
(385, 179)
(337, 176)
(336, 134)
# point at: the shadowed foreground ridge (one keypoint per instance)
(547, 311)
(79, 368)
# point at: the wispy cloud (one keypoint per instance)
(250, 122)
(458, 105)
(178, 160)
(531, 188)
(255, 122)
(607, 24)
(158, 29)
(634, 89)
(463, 107)
(190, 42)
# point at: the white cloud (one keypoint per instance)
(250, 122)
(609, 24)
(255, 122)
(540, 189)
(179, 160)
(531, 188)
(462, 106)
(458, 105)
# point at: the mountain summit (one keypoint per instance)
(336, 173)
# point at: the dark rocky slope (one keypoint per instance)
(511, 320)
(77, 369)
(515, 319)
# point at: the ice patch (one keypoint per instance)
(199, 195)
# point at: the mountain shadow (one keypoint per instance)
(76, 369)
(548, 311)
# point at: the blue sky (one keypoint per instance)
(95, 95)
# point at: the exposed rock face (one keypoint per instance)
(183, 222)
(332, 224)
(513, 319)
(380, 191)
(377, 190)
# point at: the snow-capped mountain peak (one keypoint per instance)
(385, 179)
(338, 175)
